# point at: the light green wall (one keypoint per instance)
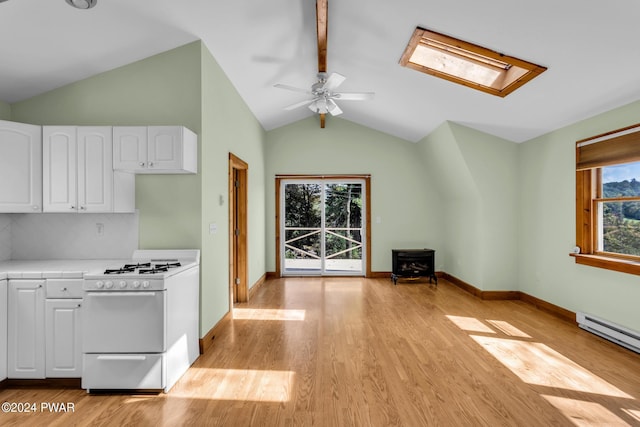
(477, 183)
(5, 111)
(547, 226)
(402, 194)
(227, 126)
(184, 86)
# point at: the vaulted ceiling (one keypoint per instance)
(590, 48)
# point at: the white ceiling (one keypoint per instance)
(590, 47)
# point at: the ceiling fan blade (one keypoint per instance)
(293, 88)
(321, 27)
(299, 104)
(333, 107)
(353, 96)
(334, 80)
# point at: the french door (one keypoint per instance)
(322, 227)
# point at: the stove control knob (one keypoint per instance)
(136, 284)
(122, 284)
(145, 284)
(108, 284)
(99, 284)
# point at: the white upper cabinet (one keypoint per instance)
(155, 149)
(78, 171)
(60, 153)
(20, 167)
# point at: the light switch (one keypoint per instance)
(213, 228)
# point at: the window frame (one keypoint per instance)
(513, 72)
(589, 196)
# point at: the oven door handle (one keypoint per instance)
(122, 357)
(122, 294)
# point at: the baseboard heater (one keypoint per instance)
(609, 331)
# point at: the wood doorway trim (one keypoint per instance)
(238, 287)
(365, 178)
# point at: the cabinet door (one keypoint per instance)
(130, 148)
(20, 167)
(165, 147)
(63, 346)
(26, 344)
(95, 169)
(59, 168)
(3, 330)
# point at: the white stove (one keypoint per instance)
(140, 321)
(146, 270)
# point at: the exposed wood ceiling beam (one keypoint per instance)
(321, 15)
(321, 25)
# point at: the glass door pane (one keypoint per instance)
(302, 228)
(343, 228)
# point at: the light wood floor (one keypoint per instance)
(356, 352)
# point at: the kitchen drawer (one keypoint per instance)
(122, 371)
(64, 288)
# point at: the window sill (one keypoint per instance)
(616, 264)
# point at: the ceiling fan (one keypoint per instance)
(323, 94)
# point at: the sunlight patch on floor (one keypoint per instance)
(585, 414)
(268, 314)
(507, 328)
(241, 385)
(537, 363)
(633, 413)
(470, 324)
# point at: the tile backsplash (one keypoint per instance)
(5, 237)
(69, 236)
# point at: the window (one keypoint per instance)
(466, 63)
(608, 200)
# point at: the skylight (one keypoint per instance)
(466, 63)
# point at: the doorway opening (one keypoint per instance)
(238, 276)
(323, 225)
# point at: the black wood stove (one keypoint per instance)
(413, 263)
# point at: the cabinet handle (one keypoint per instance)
(141, 164)
(72, 207)
(35, 207)
(150, 164)
(79, 305)
(64, 289)
(82, 208)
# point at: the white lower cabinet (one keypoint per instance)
(3, 330)
(63, 347)
(26, 332)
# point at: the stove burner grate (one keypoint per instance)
(125, 269)
(143, 268)
(167, 265)
(152, 270)
(138, 265)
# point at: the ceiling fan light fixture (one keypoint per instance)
(82, 4)
(319, 106)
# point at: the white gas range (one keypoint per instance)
(140, 321)
(147, 270)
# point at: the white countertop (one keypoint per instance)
(53, 268)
